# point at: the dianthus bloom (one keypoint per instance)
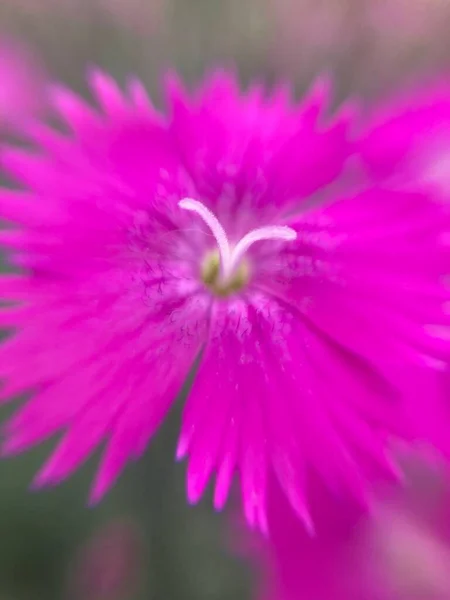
(147, 242)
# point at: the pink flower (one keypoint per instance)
(292, 564)
(403, 551)
(408, 140)
(148, 242)
(399, 551)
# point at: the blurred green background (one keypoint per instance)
(144, 541)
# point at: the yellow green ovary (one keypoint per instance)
(211, 276)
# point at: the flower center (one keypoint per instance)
(225, 270)
(212, 278)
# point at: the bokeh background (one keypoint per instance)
(143, 541)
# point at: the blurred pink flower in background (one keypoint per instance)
(407, 140)
(109, 566)
(410, 558)
(295, 563)
(405, 546)
(22, 83)
(401, 551)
